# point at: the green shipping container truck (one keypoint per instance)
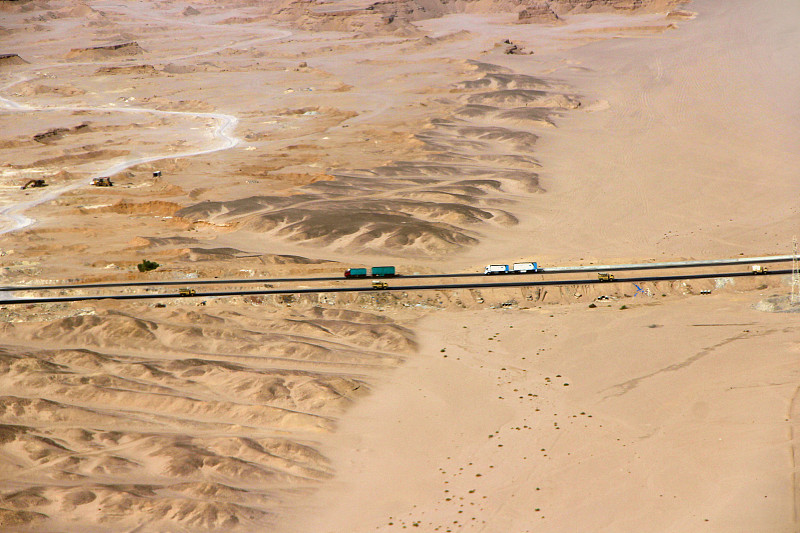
(375, 272)
(383, 272)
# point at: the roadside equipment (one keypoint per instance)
(34, 183)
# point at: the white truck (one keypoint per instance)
(521, 268)
(496, 269)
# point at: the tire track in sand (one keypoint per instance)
(12, 218)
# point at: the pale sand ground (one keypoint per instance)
(677, 417)
(701, 167)
(697, 153)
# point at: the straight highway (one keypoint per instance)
(542, 270)
(486, 285)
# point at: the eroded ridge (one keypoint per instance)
(476, 164)
(177, 419)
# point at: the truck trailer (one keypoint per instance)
(521, 268)
(496, 269)
(383, 272)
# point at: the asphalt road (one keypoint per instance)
(487, 285)
(541, 271)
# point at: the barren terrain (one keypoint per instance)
(249, 139)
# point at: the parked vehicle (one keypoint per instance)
(380, 285)
(759, 269)
(383, 272)
(521, 268)
(187, 292)
(355, 273)
(102, 182)
(605, 276)
(496, 269)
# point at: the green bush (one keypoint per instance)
(146, 266)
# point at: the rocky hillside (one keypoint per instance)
(393, 15)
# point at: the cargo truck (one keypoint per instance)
(383, 272)
(496, 269)
(605, 276)
(380, 285)
(355, 273)
(521, 268)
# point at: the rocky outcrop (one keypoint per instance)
(396, 15)
(538, 13)
(102, 52)
(588, 6)
(11, 59)
(141, 70)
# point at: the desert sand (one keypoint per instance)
(298, 139)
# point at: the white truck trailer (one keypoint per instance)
(521, 268)
(496, 269)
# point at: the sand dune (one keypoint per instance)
(496, 79)
(133, 427)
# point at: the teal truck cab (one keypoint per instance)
(355, 273)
